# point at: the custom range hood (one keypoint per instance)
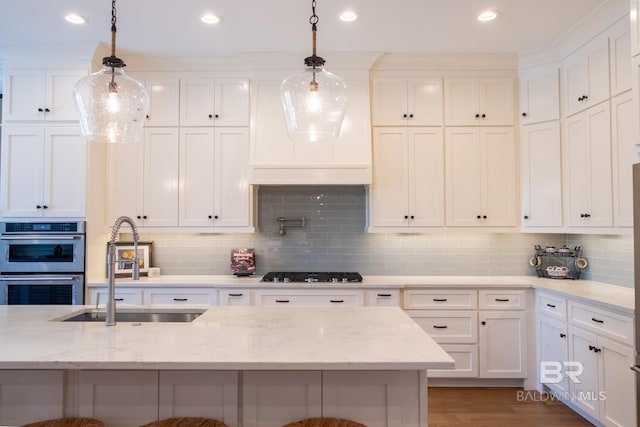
(277, 160)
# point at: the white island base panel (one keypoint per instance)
(124, 398)
(247, 366)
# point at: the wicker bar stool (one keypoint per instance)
(186, 422)
(67, 422)
(325, 422)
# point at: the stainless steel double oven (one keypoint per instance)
(42, 262)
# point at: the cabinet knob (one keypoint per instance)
(411, 116)
(210, 216)
(215, 217)
(484, 217)
(144, 217)
(139, 217)
(563, 335)
(45, 207)
(404, 116)
(484, 116)
(217, 116)
(477, 116)
(406, 217)
(526, 217)
(211, 116)
(585, 97)
(591, 348)
(483, 323)
(40, 110)
(524, 114)
(46, 110)
(38, 207)
(478, 217)
(147, 116)
(412, 217)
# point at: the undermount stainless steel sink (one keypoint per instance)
(138, 316)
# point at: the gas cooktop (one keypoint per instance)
(296, 276)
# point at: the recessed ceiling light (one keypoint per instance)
(75, 19)
(488, 15)
(348, 16)
(210, 18)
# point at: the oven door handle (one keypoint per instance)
(37, 237)
(38, 278)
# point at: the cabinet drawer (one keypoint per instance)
(613, 325)
(123, 297)
(383, 297)
(448, 326)
(551, 305)
(181, 296)
(309, 297)
(440, 299)
(466, 362)
(502, 299)
(241, 297)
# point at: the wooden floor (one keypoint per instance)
(491, 407)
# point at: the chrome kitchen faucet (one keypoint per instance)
(112, 258)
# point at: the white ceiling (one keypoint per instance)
(402, 26)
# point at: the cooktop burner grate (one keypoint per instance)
(311, 277)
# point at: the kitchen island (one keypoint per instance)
(249, 366)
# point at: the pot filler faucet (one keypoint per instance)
(112, 258)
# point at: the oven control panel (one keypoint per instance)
(41, 227)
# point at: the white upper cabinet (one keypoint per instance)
(541, 175)
(635, 28)
(164, 104)
(407, 102)
(623, 140)
(586, 76)
(539, 94)
(43, 172)
(214, 102)
(408, 177)
(486, 101)
(587, 168)
(620, 58)
(40, 95)
(480, 177)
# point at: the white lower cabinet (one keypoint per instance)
(502, 344)
(553, 352)
(234, 297)
(180, 296)
(30, 396)
(382, 297)
(309, 297)
(465, 357)
(123, 296)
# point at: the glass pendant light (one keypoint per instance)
(111, 104)
(314, 100)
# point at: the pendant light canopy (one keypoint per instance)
(314, 100)
(111, 104)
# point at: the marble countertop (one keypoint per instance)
(226, 338)
(612, 296)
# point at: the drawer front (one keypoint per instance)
(551, 305)
(440, 299)
(237, 297)
(309, 298)
(383, 297)
(466, 362)
(502, 299)
(123, 297)
(613, 325)
(181, 297)
(448, 326)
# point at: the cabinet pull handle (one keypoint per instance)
(591, 348)
(440, 327)
(597, 320)
(384, 295)
(635, 368)
(282, 300)
(118, 299)
(235, 295)
(440, 299)
(181, 299)
(337, 300)
(551, 305)
(563, 335)
(502, 299)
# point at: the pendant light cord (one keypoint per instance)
(314, 60)
(113, 28)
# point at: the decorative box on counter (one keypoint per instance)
(558, 263)
(243, 262)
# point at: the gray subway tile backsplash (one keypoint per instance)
(335, 238)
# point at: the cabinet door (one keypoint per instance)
(620, 58)
(59, 101)
(164, 104)
(197, 102)
(231, 102)
(465, 357)
(22, 174)
(553, 351)
(389, 190)
(588, 167)
(496, 100)
(197, 172)
(389, 101)
(502, 340)
(65, 155)
(30, 396)
(426, 177)
(424, 102)
(231, 181)
(587, 76)
(461, 101)
(541, 175)
(463, 186)
(617, 409)
(498, 177)
(539, 94)
(623, 140)
(119, 398)
(585, 393)
(24, 95)
(125, 175)
(160, 181)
